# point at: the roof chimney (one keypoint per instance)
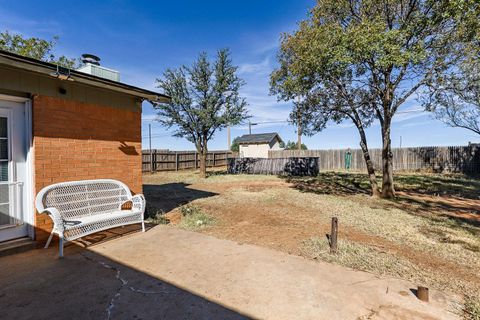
(90, 58)
(91, 65)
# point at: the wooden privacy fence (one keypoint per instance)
(165, 160)
(465, 159)
(279, 166)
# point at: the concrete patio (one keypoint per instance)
(167, 273)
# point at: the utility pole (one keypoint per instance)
(250, 124)
(299, 126)
(400, 141)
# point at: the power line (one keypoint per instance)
(258, 123)
(157, 136)
(411, 111)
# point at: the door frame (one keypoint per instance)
(29, 209)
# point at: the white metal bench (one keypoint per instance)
(79, 208)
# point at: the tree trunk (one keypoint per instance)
(203, 164)
(388, 190)
(370, 170)
(368, 162)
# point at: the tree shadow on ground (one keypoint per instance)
(216, 173)
(340, 184)
(454, 197)
(168, 196)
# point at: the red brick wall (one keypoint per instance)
(77, 141)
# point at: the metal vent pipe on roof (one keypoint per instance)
(90, 58)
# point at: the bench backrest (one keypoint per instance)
(83, 198)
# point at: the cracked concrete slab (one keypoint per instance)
(267, 284)
(167, 273)
(85, 285)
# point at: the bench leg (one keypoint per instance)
(60, 247)
(143, 226)
(49, 240)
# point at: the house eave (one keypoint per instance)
(48, 69)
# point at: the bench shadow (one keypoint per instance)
(87, 285)
(168, 196)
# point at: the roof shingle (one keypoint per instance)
(258, 138)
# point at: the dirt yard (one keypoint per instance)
(429, 235)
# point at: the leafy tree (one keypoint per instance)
(235, 146)
(205, 99)
(35, 48)
(290, 145)
(455, 98)
(361, 60)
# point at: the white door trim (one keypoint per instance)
(13, 98)
(29, 213)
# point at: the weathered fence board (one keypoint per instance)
(165, 160)
(464, 159)
(280, 166)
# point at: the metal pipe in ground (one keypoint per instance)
(422, 293)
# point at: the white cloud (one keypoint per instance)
(149, 117)
(21, 24)
(262, 67)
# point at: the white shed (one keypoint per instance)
(257, 145)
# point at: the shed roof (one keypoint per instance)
(47, 68)
(259, 138)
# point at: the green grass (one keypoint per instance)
(194, 218)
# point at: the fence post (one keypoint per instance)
(176, 161)
(213, 159)
(333, 235)
(196, 160)
(151, 161)
(154, 160)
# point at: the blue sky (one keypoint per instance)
(143, 38)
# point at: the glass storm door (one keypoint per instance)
(12, 128)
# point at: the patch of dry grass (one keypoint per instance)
(472, 308)
(378, 218)
(377, 260)
(360, 257)
(193, 176)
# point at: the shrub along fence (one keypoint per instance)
(165, 160)
(304, 166)
(463, 159)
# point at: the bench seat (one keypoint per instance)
(80, 208)
(99, 222)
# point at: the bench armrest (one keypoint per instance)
(56, 217)
(138, 202)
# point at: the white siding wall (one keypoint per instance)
(254, 150)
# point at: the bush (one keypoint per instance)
(190, 210)
(194, 218)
